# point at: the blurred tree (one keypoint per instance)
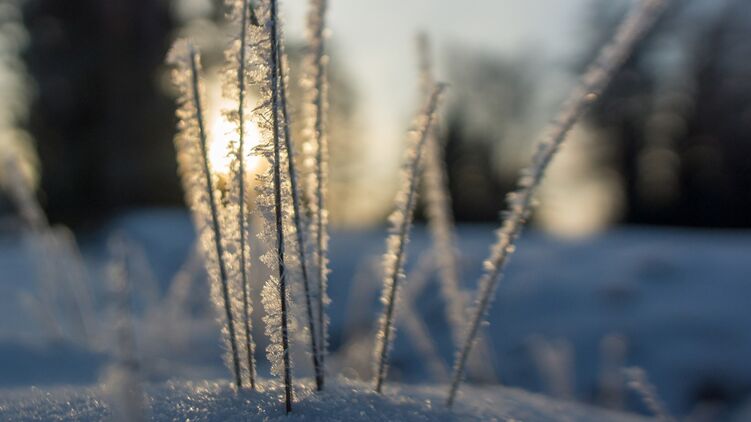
(486, 130)
(103, 124)
(679, 115)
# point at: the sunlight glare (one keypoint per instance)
(221, 132)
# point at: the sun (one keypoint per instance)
(222, 131)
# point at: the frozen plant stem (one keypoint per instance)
(438, 206)
(247, 16)
(129, 398)
(417, 330)
(591, 86)
(214, 212)
(52, 245)
(275, 105)
(21, 193)
(638, 382)
(317, 65)
(297, 218)
(399, 237)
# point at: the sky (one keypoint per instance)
(375, 40)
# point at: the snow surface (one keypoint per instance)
(343, 401)
(678, 298)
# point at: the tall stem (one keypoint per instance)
(275, 104)
(391, 284)
(319, 86)
(591, 86)
(214, 214)
(297, 218)
(242, 218)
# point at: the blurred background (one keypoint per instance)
(85, 85)
(631, 259)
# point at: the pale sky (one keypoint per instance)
(375, 42)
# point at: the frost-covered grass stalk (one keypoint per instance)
(60, 274)
(613, 348)
(235, 88)
(272, 188)
(438, 206)
(396, 243)
(315, 109)
(124, 379)
(592, 83)
(636, 380)
(278, 210)
(198, 182)
(417, 330)
(16, 156)
(61, 277)
(555, 363)
(20, 190)
(297, 217)
(61, 267)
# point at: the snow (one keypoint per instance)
(342, 401)
(677, 298)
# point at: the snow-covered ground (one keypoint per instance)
(343, 401)
(567, 317)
